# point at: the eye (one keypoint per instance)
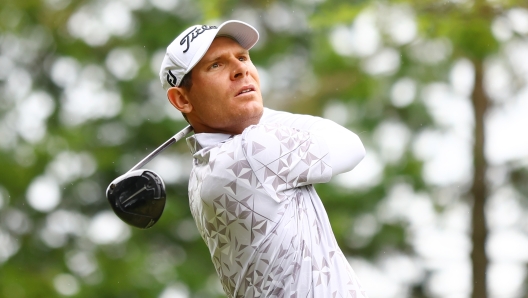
(242, 58)
(214, 65)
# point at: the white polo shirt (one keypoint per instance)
(252, 198)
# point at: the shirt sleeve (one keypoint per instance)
(284, 158)
(345, 147)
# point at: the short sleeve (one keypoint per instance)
(283, 158)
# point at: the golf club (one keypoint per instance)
(138, 196)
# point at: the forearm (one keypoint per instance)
(346, 149)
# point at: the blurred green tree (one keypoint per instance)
(80, 103)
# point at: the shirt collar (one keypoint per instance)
(200, 141)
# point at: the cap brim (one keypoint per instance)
(243, 33)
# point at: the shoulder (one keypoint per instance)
(273, 116)
(275, 131)
(272, 140)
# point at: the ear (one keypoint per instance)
(178, 98)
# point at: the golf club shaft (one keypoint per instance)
(163, 146)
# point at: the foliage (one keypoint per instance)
(44, 250)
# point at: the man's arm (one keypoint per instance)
(346, 149)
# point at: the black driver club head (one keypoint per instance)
(137, 198)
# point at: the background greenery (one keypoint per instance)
(80, 103)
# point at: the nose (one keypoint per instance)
(240, 70)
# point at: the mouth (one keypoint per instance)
(246, 89)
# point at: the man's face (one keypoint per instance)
(225, 95)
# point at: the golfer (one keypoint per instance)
(251, 187)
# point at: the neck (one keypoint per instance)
(235, 129)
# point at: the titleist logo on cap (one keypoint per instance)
(194, 34)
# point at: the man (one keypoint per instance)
(251, 187)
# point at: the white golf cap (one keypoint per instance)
(191, 45)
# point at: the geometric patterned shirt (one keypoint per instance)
(253, 201)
